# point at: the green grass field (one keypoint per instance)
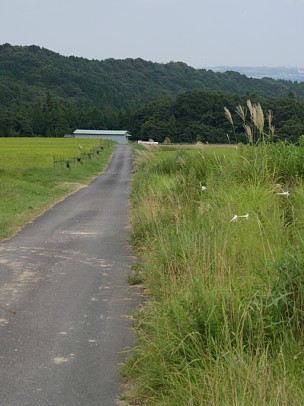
(225, 321)
(35, 172)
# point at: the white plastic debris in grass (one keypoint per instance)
(280, 190)
(286, 193)
(204, 188)
(236, 217)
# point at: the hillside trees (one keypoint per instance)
(48, 119)
(199, 116)
(5, 122)
(46, 94)
(191, 117)
(119, 83)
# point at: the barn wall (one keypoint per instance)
(121, 139)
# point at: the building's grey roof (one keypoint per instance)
(103, 132)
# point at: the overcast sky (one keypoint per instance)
(200, 33)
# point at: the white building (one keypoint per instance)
(120, 136)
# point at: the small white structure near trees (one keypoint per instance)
(150, 142)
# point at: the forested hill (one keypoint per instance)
(47, 94)
(26, 73)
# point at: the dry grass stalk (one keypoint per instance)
(250, 107)
(259, 118)
(270, 126)
(248, 132)
(254, 127)
(240, 110)
(228, 115)
(269, 117)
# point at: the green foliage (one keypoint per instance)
(46, 94)
(198, 116)
(289, 289)
(225, 321)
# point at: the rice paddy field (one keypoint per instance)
(219, 236)
(36, 172)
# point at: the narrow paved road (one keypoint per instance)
(64, 298)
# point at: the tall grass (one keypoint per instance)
(224, 325)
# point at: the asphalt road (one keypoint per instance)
(64, 298)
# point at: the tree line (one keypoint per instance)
(45, 94)
(198, 116)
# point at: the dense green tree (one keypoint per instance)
(5, 123)
(291, 129)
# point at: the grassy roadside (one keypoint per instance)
(36, 172)
(224, 323)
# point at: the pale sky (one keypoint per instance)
(201, 33)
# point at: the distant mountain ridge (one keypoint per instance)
(293, 74)
(28, 72)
